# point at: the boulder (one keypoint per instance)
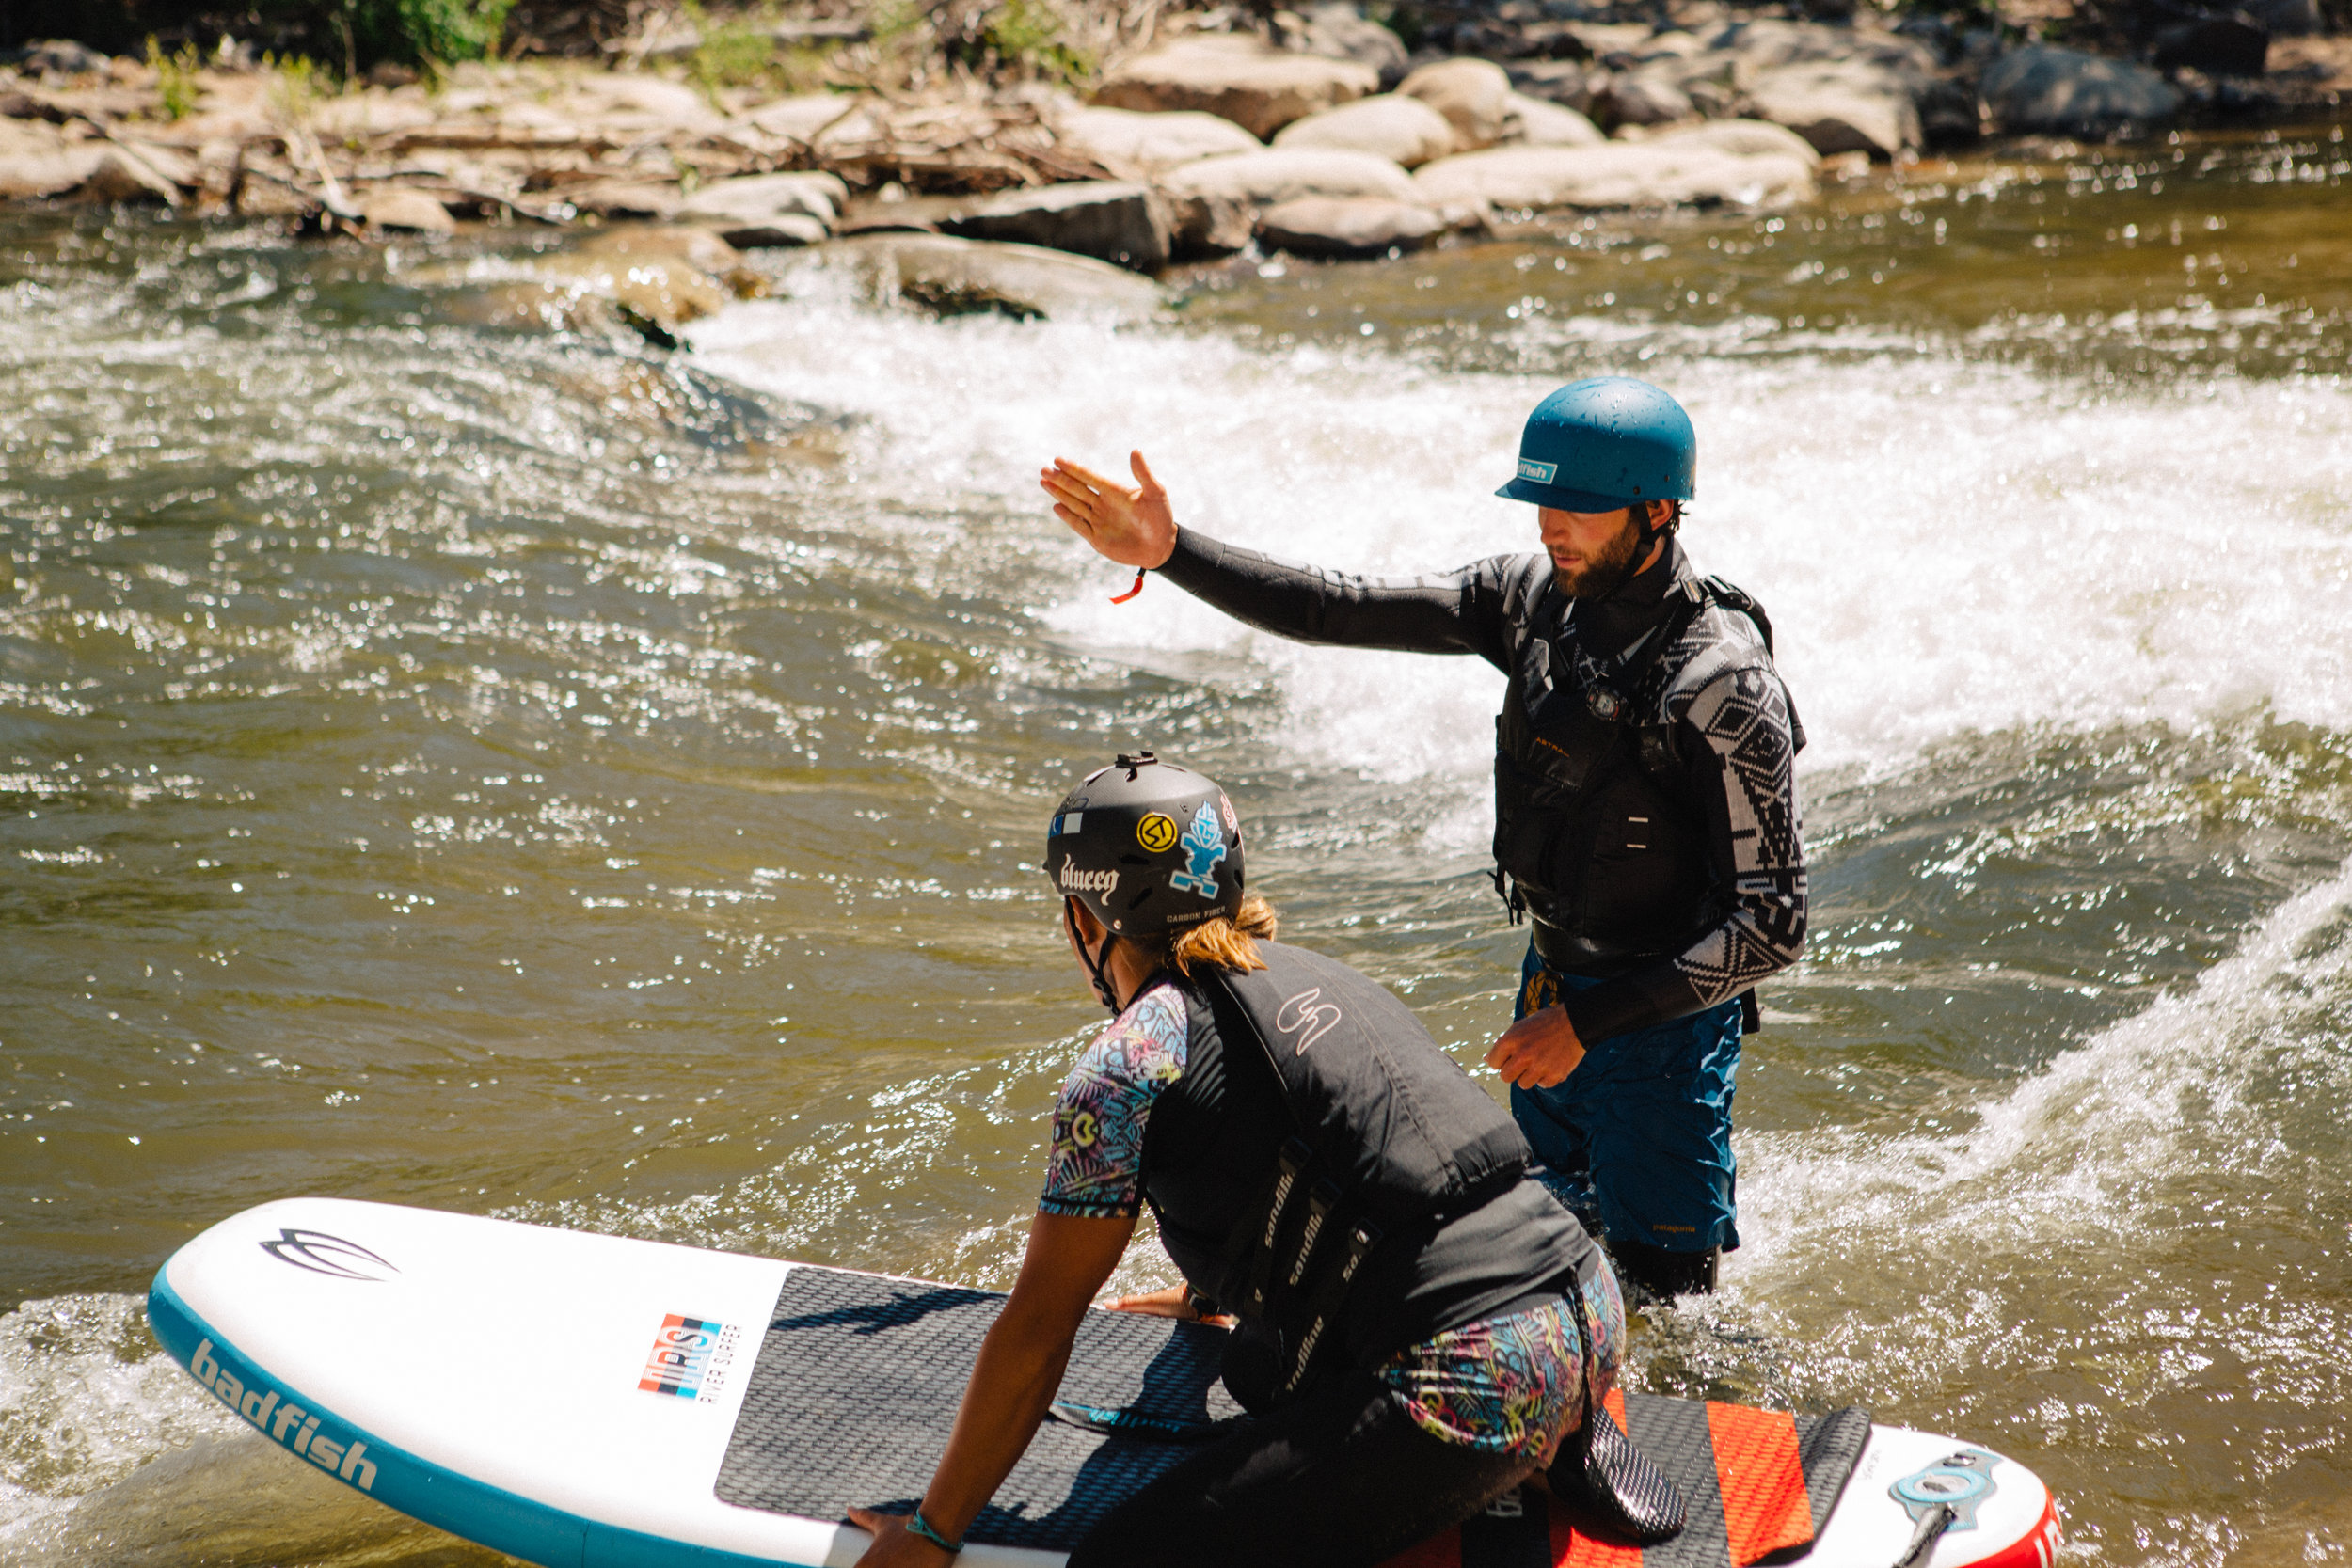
(2064, 92)
(61, 57)
(2285, 19)
(1744, 138)
(260, 195)
(36, 159)
(801, 119)
(1840, 106)
(23, 105)
(1204, 225)
(406, 209)
(1730, 161)
(1645, 98)
(1403, 130)
(118, 174)
(624, 199)
(1340, 32)
(1614, 43)
(768, 210)
(1570, 83)
(1130, 142)
(1535, 122)
(1949, 115)
(372, 112)
(1474, 95)
(1357, 226)
(697, 248)
(952, 277)
(1770, 42)
(1110, 220)
(178, 167)
(1277, 174)
(655, 295)
(1256, 86)
(637, 101)
(2229, 46)
(781, 232)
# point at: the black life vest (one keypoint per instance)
(1316, 1121)
(1596, 832)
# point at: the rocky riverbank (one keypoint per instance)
(1321, 134)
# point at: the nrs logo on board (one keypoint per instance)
(285, 1421)
(690, 1357)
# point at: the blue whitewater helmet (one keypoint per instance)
(1606, 443)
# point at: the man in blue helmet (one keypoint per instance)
(1646, 808)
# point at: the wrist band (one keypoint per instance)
(917, 1525)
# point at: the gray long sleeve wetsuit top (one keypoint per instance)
(1735, 731)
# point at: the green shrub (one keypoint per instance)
(294, 87)
(444, 31)
(732, 54)
(1028, 34)
(175, 77)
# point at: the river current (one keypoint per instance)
(543, 776)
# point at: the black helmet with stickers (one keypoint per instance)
(1146, 847)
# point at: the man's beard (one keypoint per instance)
(1600, 576)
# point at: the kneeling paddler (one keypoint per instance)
(1420, 1327)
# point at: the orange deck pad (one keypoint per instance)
(1766, 1505)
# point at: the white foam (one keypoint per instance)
(85, 1400)
(1946, 545)
(2064, 1158)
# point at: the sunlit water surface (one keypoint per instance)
(535, 776)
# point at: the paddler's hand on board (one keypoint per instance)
(895, 1546)
(1174, 1302)
(1135, 527)
(1539, 1051)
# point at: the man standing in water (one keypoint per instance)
(1645, 809)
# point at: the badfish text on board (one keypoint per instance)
(290, 1424)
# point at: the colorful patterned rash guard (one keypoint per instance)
(1507, 1384)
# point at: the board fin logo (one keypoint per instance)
(321, 1253)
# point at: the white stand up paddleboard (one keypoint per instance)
(593, 1401)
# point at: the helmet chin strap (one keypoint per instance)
(1647, 540)
(1095, 961)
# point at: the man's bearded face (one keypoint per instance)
(1589, 550)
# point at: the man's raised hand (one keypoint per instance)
(1134, 528)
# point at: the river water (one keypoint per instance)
(531, 775)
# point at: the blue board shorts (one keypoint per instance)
(1638, 1138)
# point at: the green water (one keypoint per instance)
(536, 775)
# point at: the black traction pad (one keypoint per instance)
(858, 1376)
(1676, 1436)
(855, 1388)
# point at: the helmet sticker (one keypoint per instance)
(1157, 832)
(1232, 823)
(1540, 473)
(1075, 880)
(1068, 822)
(1204, 846)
